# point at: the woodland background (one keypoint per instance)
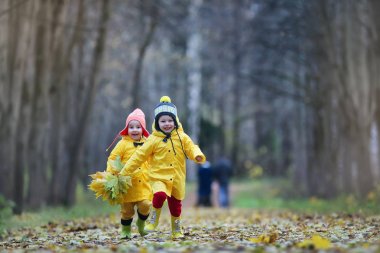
(289, 86)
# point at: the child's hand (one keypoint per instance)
(199, 158)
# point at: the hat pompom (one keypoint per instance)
(165, 99)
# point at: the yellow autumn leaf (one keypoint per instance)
(321, 243)
(256, 239)
(265, 238)
(366, 245)
(98, 187)
(98, 175)
(316, 242)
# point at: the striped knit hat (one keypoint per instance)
(165, 107)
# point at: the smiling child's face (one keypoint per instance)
(166, 123)
(135, 130)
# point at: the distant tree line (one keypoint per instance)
(292, 86)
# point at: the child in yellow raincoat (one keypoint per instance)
(140, 193)
(167, 149)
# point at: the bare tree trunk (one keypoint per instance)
(36, 138)
(361, 98)
(350, 108)
(58, 90)
(7, 108)
(77, 138)
(224, 149)
(193, 54)
(22, 113)
(322, 169)
(237, 91)
(20, 163)
(299, 140)
(147, 39)
(374, 56)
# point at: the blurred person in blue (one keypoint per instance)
(222, 174)
(205, 176)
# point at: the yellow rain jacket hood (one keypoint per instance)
(141, 188)
(167, 158)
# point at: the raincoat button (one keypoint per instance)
(139, 181)
(139, 168)
(171, 164)
(171, 179)
(169, 150)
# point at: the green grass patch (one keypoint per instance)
(87, 206)
(276, 194)
(5, 213)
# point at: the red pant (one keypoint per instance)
(175, 205)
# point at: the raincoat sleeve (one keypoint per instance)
(192, 150)
(138, 158)
(119, 150)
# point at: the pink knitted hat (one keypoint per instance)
(138, 115)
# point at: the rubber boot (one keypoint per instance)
(140, 226)
(126, 232)
(153, 220)
(177, 228)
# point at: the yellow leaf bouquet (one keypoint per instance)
(110, 185)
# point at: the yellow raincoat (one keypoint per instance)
(167, 170)
(141, 189)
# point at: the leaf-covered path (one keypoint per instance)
(208, 230)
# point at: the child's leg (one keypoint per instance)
(143, 207)
(158, 201)
(175, 207)
(127, 211)
(143, 212)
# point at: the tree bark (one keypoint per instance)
(58, 91)
(193, 54)
(147, 39)
(77, 138)
(7, 108)
(22, 114)
(237, 90)
(37, 174)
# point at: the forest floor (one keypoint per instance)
(206, 230)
